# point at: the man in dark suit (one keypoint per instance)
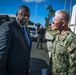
(14, 47)
(41, 33)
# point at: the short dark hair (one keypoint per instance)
(23, 7)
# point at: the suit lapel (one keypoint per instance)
(19, 32)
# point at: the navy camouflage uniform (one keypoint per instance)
(63, 57)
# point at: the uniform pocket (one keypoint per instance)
(63, 59)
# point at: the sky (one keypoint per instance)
(37, 7)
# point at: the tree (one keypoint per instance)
(38, 25)
(31, 23)
(51, 12)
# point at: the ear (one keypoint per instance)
(63, 23)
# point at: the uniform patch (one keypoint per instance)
(72, 47)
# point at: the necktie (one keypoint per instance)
(26, 36)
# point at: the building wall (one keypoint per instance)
(73, 19)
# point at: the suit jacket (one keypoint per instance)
(14, 50)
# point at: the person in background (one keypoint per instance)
(63, 55)
(14, 47)
(38, 26)
(41, 33)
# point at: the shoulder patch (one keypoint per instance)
(72, 47)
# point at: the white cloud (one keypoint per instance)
(38, 1)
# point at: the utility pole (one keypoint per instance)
(35, 15)
(70, 11)
(70, 7)
(65, 4)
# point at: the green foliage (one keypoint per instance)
(31, 23)
(38, 25)
(53, 32)
(51, 12)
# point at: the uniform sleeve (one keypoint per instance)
(72, 58)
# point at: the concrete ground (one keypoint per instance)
(39, 61)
